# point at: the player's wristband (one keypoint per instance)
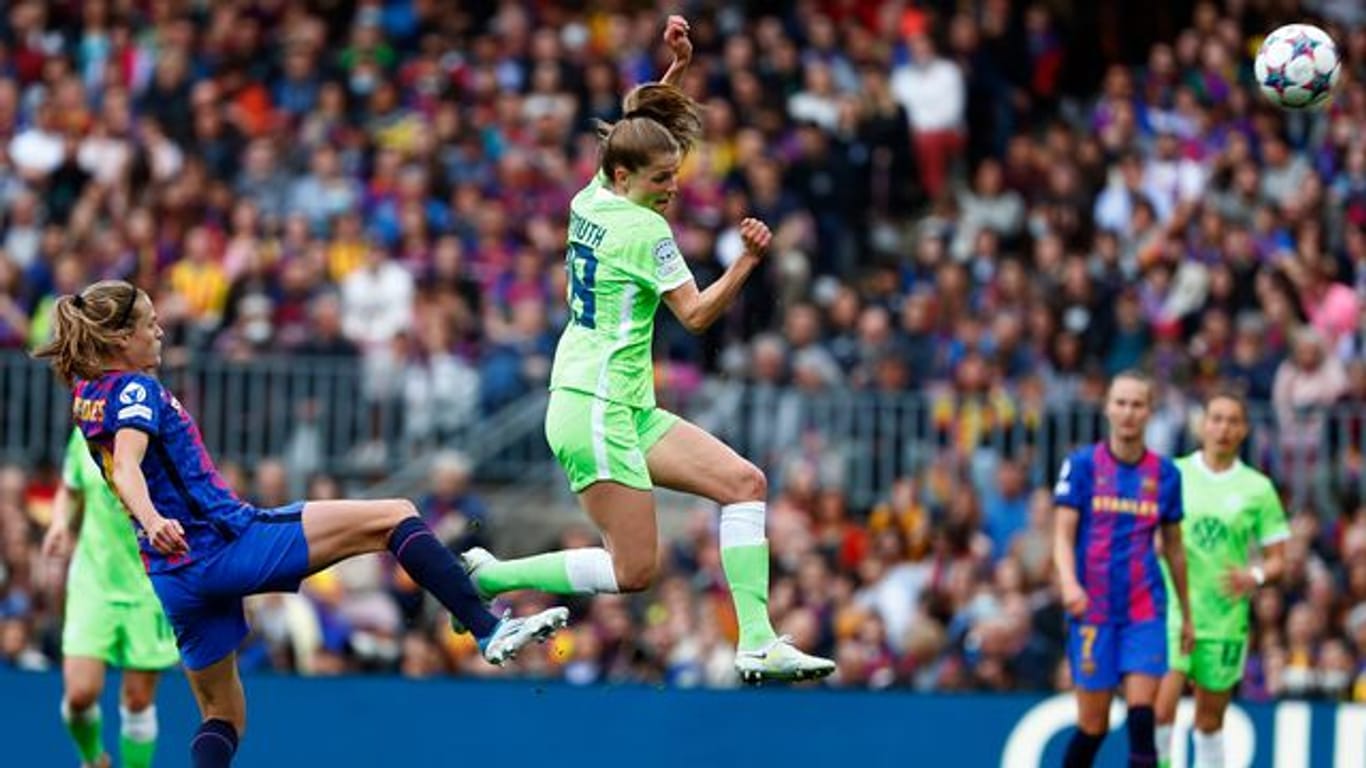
(1258, 575)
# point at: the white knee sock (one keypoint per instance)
(70, 715)
(1209, 749)
(590, 570)
(1164, 743)
(138, 726)
(84, 727)
(742, 525)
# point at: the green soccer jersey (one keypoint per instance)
(621, 258)
(1227, 514)
(106, 561)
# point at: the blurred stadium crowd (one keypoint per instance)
(970, 199)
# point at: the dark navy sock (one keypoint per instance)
(213, 744)
(1142, 739)
(434, 568)
(1082, 749)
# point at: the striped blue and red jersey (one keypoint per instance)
(1120, 506)
(181, 478)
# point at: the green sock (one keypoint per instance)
(747, 571)
(84, 728)
(1164, 763)
(136, 754)
(546, 573)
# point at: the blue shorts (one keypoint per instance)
(203, 600)
(1101, 654)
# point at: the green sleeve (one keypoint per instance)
(1271, 524)
(670, 268)
(656, 258)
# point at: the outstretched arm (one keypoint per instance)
(167, 535)
(676, 37)
(697, 310)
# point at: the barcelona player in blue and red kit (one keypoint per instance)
(204, 548)
(1112, 498)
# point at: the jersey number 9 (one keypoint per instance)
(583, 277)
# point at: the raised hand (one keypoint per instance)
(676, 37)
(756, 236)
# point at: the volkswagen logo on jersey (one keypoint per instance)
(1209, 532)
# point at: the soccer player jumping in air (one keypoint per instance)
(602, 424)
(1111, 499)
(1230, 507)
(204, 548)
(112, 615)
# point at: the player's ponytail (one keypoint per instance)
(658, 118)
(668, 106)
(87, 327)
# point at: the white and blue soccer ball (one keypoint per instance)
(1297, 67)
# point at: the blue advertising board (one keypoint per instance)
(384, 721)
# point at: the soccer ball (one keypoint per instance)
(1297, 66)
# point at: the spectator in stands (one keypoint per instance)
(931, 90)
(23, 229)
(989, 205)
(818, 101)
(888, 178)
(451, 508)
(1307, 384)
(199, 278)
(272, 484)
(1334, 309)
(324, 192)
(328, 339)
(18, 595)
(1284, 173)
(14, 320)
(1005, 507)
(377, 313)
(15, 536)
(441, 389)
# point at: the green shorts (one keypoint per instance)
(594, 439)
(126, 635)
(1215, 665)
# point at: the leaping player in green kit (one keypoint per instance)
(1230, 507)
(112, 615)
(602, 424)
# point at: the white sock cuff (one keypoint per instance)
(70, 715)
(1209, 750)
(742, 525)
(1164, 742)
(590, 571)
(138, 726)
